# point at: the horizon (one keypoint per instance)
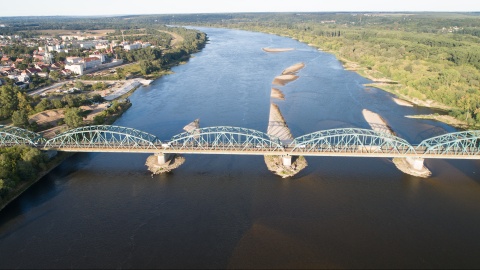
(91, 8)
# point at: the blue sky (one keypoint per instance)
(115, 7)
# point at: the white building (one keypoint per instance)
(101, 56)
(76, 68)
(87, 44)
(134, 46)
(91, 62)
(74, 60)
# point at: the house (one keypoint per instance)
(134, 46)
(66, 72)
(74, 60)
(75, 68)
(31, 71)
(56, 65)
(101, 56)
(5, 58)
(38, 57)
(91, 62)
(41, 66)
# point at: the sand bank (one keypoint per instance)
(284, 79)
(276, 124)
(278, 127)
(376, 122)
(402, 102)
(277, 49)
(276, 93)
(292, 70)
(379, 124)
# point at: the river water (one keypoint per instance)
(219, 211)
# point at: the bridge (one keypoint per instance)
(344, 142)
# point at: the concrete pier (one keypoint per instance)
(287, 161)
(415, 163)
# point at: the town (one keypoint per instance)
(55, 80)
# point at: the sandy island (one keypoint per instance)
(402, 102)
(276, 93)
(293, 69)
(284, 79)
(278, 127)
(380, 125)
(288, 74)
(277, 49)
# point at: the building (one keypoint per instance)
(101, 56)
(75, 68)
(134, 46)
(87, 44)
(74, 60)
(91, 62)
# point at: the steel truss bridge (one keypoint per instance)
(345, 142)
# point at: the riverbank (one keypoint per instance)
(121, 94)
(52, 164)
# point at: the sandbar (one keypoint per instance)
(284, 79)
(293, 69)
(376, 122)
(277, 49)
(402, 102)
(276, 93)
(276, 124)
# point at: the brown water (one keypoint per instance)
(215, 211)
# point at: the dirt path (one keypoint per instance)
(176, 38)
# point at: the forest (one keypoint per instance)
(431, 58)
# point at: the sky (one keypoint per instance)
(128, 7)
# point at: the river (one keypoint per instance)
(105, 210)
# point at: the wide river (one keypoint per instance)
(221, 211)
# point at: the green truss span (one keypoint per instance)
(105, 137)
(10, 136)
(238, 139)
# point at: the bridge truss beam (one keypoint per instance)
(10, 136)
(464, 143)
(103, 137)
(225, 138)
(352, 140)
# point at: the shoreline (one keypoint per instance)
(62, 156)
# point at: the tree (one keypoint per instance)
(20, 119)
(54, 74)
(80, 85)
(44, 105)
(8, 101)
(73, 117)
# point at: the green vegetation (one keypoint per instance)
(19, 164)
(433, 58)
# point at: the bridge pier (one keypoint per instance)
(162, 162)
(415, 163)
(162, 158)
(412, 166)
(287, 161)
